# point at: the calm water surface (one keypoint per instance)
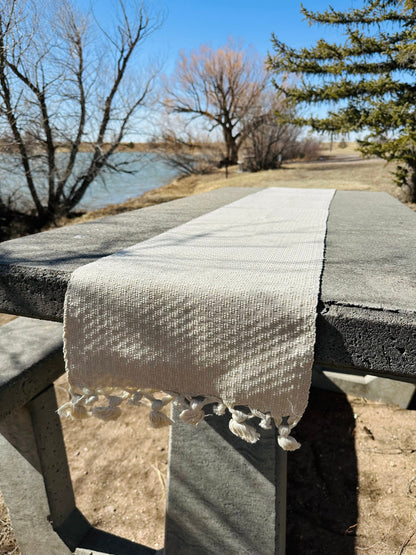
(149, 173)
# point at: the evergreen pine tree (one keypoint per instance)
(368, 81)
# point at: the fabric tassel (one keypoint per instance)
(265, 419)
(111, 412)
(135, 400)
(239, 427)
(194, 414)
(286, 441)
(220, 409)
(74, 409)
(82, 406)
(157, 418)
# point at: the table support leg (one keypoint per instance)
(35, 479)
(224, 495)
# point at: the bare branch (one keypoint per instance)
(220, 86)
(60, 93)
(12, 120)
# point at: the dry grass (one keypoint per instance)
(341, 169)
(8, 544)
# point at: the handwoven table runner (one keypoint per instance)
(220, 310)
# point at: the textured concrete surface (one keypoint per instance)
(370, 252)
(374, 388)
(366, 319)
(367, 313)
(23, 491)
(30, 360)
(371, 340)
(34, 476)
(224, 495)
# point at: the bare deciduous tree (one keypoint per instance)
(268, 139)
(220, 86)
(60, 88)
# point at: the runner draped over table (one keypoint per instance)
(220, 310)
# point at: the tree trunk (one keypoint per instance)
(411, 194)
(231, 145)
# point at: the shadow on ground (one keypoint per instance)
(323, 479)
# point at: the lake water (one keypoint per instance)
(149, 173)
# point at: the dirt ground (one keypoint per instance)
(352, 485)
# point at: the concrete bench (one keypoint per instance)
(34, 475)
(366, 324)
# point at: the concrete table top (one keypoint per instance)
(367, 310)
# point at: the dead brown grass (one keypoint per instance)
(341, 169)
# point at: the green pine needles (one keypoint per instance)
(367, 81)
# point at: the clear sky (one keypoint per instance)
(192, 22)
(189, 23)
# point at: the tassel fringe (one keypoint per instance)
(86, 404)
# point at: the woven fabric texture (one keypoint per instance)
(222, 307)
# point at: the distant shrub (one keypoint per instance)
(306, 149)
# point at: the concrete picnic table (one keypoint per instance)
(224, 496)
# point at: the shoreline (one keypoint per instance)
(337, 169)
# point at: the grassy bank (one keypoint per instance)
(340, 169)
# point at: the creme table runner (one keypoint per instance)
(219, 310)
